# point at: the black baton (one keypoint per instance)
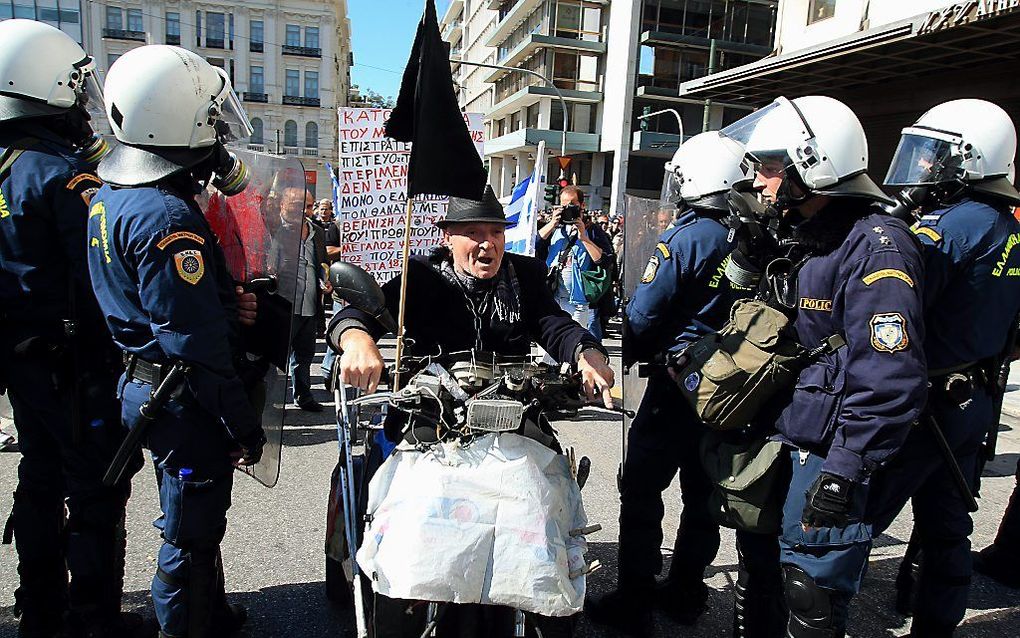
(133, 441)
(954, 468)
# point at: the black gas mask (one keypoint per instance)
(759, 232)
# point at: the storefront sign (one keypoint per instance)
(962, 13)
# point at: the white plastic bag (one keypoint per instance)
(486, 523)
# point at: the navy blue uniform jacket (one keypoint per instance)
(162, 281)
(684, 293)
(855, 407)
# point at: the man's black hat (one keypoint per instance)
(472, 210)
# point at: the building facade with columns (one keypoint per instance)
(289, 60)
(612, 62)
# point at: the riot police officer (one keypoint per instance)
(56, 356)
(163, 285)
(683, 295)
(957, 158)
(857, 274)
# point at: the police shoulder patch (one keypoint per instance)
(650, 270)
(172, 237)
(190, 266)
(85, 185)
(889, 332)
(929, 232)
(888, 273)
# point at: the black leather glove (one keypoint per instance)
(251, 446)
(828, 502)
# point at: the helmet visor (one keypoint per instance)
(232, 123)
(769, 134)
(669, 197)
(90, 90)
(921, 160)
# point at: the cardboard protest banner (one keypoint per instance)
(372, 191)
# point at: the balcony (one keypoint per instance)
(173, 39)
(654, 144)
(294, 100)
(258, 148)
(305, 52)
(291, 150)
(309, 152)
(529, 95)
(516, 15)
(537, 41)
(453, 31)
(249, 96)
(255, 47)
(526, 139)
(124, 34)
(677, 41)
(453, 11)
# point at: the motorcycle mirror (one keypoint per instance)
(360, 289)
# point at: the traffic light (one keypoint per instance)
(552, 192)
(563, 182)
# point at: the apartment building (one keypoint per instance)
(289, 60)
(612, 62)
(889, 61)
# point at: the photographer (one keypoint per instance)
(572, 248)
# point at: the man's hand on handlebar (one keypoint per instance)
(361, 364)
(596, 376)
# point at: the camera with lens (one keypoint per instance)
(570, 213)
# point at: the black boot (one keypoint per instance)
(629, 611)
(682, 602)
(997, 565)
(922, 628)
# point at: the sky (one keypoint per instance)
(382, 32)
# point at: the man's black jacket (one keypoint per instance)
(439, 317)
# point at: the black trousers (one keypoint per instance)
(664, 439)
(397, 618)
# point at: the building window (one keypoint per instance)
(578, 20)
(257, 35)
(312, 84)
(820, 10)
(134, 20)
(311, 135)
(110, 59)
(257, 136)
(216, 31)
(256, 80)
(293, 35)
(292, 87)
(290, 133)
(173, 28)
(312, 37)
(230, 32)
(198, 28)
(114, 17)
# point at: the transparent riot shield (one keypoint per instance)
(259, 231)
(643, 221)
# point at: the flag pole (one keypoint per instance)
(403, 289)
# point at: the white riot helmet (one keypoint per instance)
(963, 141)
(703, 170)
(171, 110)
(43, 72)
(815, 139)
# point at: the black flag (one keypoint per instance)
(443, 157)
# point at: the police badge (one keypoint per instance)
(889, 332)
(190, 266)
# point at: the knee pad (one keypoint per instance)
(810, 606)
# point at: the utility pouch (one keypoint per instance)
(729, 375)
(746, 473)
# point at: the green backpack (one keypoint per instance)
(729, 375)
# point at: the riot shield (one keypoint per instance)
(259, 230)
(643, 221)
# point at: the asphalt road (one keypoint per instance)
(273, 550)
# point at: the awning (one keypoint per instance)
(909, 49)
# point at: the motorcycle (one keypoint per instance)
(477, 504)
